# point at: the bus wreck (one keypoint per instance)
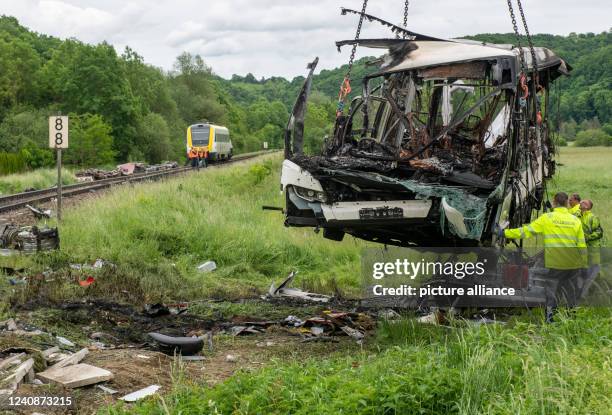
(448, 139)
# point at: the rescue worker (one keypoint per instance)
(574, 204)
(593, 234)
(193, 157)
(202, 159)
(564, 250)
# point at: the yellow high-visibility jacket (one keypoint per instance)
(564, 244)
(593, 233)
(575, 210)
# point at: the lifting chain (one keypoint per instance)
(405, 23)
(518, 36)
(536, 71)
(531, 48)
(345, 87)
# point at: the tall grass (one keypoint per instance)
(37, 179)
(12, 163)
(158, 233)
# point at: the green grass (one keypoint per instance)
(421, 369)
(37, 179)
(587, 171)
(158, 233)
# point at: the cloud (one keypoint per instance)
(278, 37)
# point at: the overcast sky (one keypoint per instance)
(278, 37)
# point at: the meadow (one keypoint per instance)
(37, 179)
(158, 233)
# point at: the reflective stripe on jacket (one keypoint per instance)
(564, 244)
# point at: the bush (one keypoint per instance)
(560, 141)
(258, 172)
(12, 163)
(593, 137)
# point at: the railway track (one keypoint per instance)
(19, 200)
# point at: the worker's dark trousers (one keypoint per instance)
(564, 289)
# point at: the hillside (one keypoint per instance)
(125, 109)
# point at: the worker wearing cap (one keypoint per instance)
(593, 234)
(574, 204)
(564, 249)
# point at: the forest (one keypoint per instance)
(123, 109)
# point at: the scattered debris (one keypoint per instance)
(435, 317)
(87, 282)
(25, 370)
(242, 330)
(64, 341)
(193, 358)
(38, 213)
(75, 376)
(207, 266)
(284, 291)
(389, 314)
(9, 324)
(71, 359)
(48, 352)
(179, 345)
(15, 359)
(317, 330)
(156, 310)
(355, 334)
(139, 394)
(27, 239)
(106, 389)
(293, 321)
(126, 169)
(97, 265)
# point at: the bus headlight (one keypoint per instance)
(310, 195)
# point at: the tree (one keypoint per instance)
(155, 130)
(593, 137)
(90, 79)
(91, 143)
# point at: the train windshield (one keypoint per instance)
(200, 135)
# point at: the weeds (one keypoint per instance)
(37, 179)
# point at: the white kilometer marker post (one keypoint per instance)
(58, 139)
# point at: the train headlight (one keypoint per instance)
(310, 195)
